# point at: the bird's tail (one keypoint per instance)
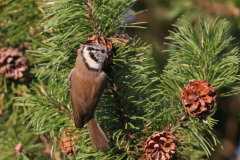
(98, 138)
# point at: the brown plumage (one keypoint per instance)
(87, 86)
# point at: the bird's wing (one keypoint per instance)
(85, 93)
(69, 76)
(97, 91)
(78, 120)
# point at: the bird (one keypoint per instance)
(87, 84)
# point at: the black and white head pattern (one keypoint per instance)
(93, 55)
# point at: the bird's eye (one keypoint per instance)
(103, 51)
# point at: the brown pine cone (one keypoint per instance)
(67, 144)
(104, 42)
(12, 63)
(100, 40)
(198, 97)
(125, 39)
(161, 146)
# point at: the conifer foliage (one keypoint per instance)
(65, 25)
(176, 106)
(199, 64)
(18, 20)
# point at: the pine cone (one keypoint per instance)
(67, 144)
(160, 146)
(105, 42)
(198, 97)
(19, 150)
(100, 40)
(125, 39)
(12, 63)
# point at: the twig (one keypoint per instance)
(92, 18)
(61, 109)
(146, 129)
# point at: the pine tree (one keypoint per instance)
(144, 115)
(18, 23)
(160, 16)
(50, 111)
(206, 56)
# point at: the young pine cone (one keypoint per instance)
(12, 63)
(198, 97)
(125, 39)
(160, 146)
(67, 144)
(106, 43)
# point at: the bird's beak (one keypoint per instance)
(110, 52)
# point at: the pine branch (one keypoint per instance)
(205, 63)
(18, 142)
(193, 57)
(121, 111)
(18, 21)
(90, 8)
